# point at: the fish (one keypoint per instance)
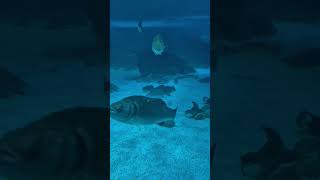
(142, 110)
(62, 145)
(263, 163)
(140, 25)
(198, 113)
(186, 76)
(158, 45)
(158, 91)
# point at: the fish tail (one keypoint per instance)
(170, 123)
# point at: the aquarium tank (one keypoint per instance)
(160, 89)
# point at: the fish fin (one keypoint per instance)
(194, 110)
(274, 139)
(174, 113)
(195, 106)
(167, 124)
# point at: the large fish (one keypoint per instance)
(67, 145)
(143, 110)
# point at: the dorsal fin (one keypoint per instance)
(195, 106)
(274, 140)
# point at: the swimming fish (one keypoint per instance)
(159, 91)
(143, 110)
(63, 145)
(198, 113)
(140, 25)
(263, 163)
(158, 45)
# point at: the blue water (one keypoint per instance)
(151, 151)
(254, 90)
(54, 83)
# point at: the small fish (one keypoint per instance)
(140, 25)
(158, 45)
(198, 113)
(143, 110)
(158, 91)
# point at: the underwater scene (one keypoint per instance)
(52, 99)
(266, 90)
(160, 95)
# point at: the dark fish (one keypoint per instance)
(158, 91)
(198, 113)
(264, 162)
(64, 145)
(140, 25)
(143, 110)
(187, 76)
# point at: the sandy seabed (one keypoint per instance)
(154, 152)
